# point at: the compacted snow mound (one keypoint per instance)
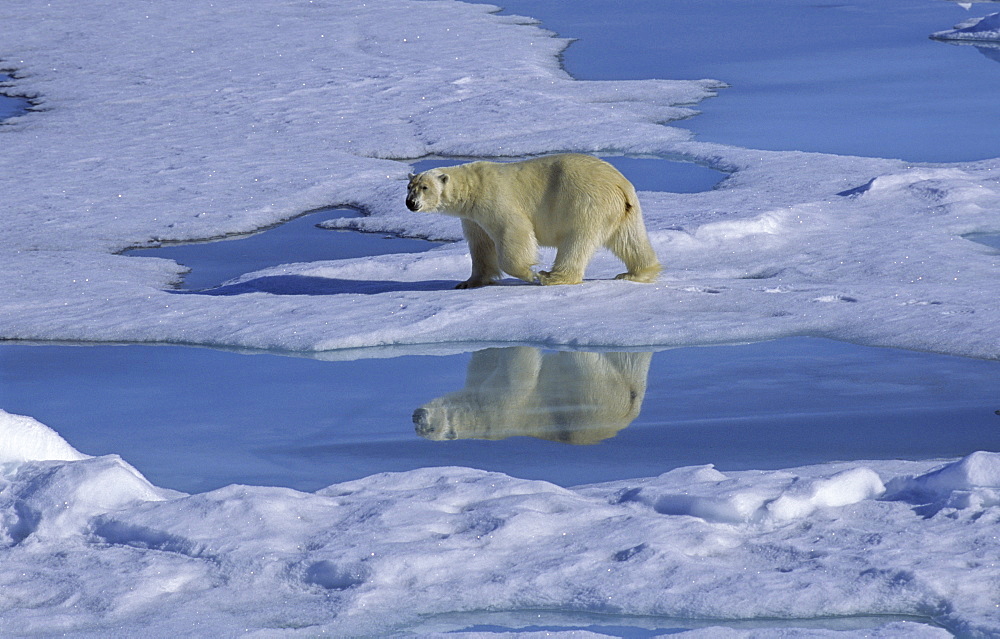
(712, 496)
(970, 483)
(43, 497)
(25, 439)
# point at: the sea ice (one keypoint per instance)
(133, 161)
(973, 481)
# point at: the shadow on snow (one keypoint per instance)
(311, 285)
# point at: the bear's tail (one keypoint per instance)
(630, 242)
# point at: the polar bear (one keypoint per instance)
(569, 397)
(576, 203)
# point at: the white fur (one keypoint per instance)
(576, 203)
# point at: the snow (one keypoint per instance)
(183, 120)
(381, 554)
(26, 439)
(794, 499)
(972, 481)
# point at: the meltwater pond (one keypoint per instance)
(298, 240)
(196, 419)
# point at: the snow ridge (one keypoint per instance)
(377, 555)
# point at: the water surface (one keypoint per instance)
(857, 77)
(989, 239)
(196, 419)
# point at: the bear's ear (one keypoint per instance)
(444, 178)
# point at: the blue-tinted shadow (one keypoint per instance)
(991, 51)
(991, 240)
(311, 285)
(298, 240)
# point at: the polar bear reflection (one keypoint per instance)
(575, 398)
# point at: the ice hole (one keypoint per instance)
(11, 106)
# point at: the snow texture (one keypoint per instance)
(306, 104)
(182, 120)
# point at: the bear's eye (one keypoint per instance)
(423, 188)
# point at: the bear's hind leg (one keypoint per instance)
(572, 257)
(630, 243)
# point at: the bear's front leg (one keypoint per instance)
(485, 261)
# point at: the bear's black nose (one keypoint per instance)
(420, 422)
(412, 204)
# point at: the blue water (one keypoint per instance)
(855, 77)
(195, 419)
(642, 627)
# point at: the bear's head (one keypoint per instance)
(433, 421)
(425, 191)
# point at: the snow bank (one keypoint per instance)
(985, 29)
(45, 499)
(89, 547)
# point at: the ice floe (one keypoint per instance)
(184, 120)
